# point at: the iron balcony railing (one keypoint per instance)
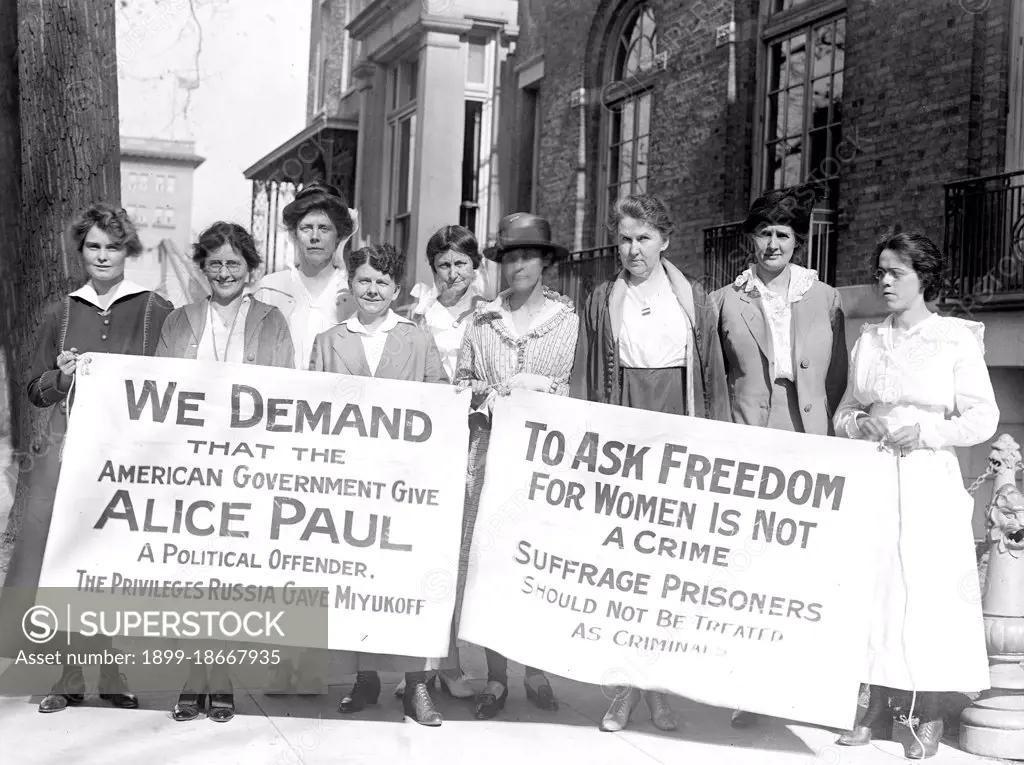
(984, 242)
(727, 250)
(583, 270)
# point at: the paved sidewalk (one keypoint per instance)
(282, 731)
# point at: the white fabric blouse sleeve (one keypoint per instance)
(977, 415)
(850, 410)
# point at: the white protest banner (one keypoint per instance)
(224, 483)
(732, 565)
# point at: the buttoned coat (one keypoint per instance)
(820, 358)
(410, 353)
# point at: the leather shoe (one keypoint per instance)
(114, 688)
(69, 689)
(620, 710)
(364, 693)
(420, 707)
(926, 744)
(661, 713)
(538, 690)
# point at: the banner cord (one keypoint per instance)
(906, 600)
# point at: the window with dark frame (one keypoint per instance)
(528, 148)
(626, 100)
(401, 151)
(803, 105)
(468, 209)
(802, 99)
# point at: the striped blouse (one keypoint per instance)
(492, 351)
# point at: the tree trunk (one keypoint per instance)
(59, 123)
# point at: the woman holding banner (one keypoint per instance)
(525, 338)
(445, 311)
(919, 385)
(644, 344)
(379, 343)
(110, 314)
(229, 326)
(781, 331)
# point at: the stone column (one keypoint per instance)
(440, 114)
(369, 153)
(993, 726)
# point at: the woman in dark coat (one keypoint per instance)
(110, 314)
(645, 343)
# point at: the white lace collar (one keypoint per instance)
(800, 281)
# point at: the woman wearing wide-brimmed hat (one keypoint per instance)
(644, 344)
(781, 331)
(525, 338)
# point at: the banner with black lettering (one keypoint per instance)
(220, 484)
(729, 564)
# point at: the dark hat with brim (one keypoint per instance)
(523, 231)
(783, 207)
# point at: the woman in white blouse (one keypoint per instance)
(919, 385)
(446, 310)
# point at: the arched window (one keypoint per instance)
(631, 63)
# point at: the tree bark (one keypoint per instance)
(59, 121)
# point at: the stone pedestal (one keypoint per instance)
(993, 726)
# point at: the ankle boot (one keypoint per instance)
(661, 713)
(929, 731)
(874, 722)
(418, 705)
(363, 694)
(621, 709)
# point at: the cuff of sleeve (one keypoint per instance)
(930, 437)
(49, 387)
(851, 428)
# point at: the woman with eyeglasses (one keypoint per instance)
(228, 326)
(919, 385)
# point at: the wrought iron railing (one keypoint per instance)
(583, 270)
(984, 242)
(268, 200)
(727, 250)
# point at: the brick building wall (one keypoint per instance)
(924, 103)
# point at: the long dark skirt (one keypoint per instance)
(656, 390)
(479, 438)
(35, 493)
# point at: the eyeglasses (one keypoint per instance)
(215, 267)
(895, 273)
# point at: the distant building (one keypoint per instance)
(402, 117)
(156, 191)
